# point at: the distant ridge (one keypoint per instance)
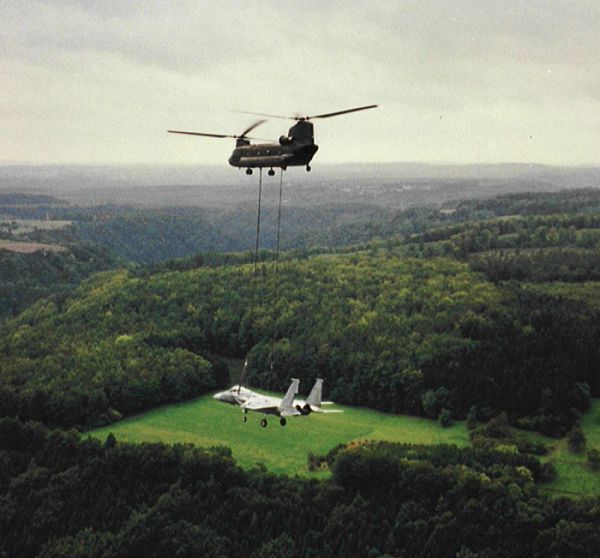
(193, 174)
(400, 185)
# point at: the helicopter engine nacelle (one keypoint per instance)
(284, 140)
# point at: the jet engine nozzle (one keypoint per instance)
(306, 410)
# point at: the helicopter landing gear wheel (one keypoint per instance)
(271, 172)
(248, 171)
(282, 421)
(307, 168)
(263, 423)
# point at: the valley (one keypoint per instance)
(480, 314)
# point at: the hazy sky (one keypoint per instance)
(462, 81)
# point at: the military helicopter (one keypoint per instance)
(294, 150)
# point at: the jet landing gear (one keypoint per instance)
(245, 415)
(271, 172)
(263, 422)
(282, 421)
(248, 171)
(307, 168)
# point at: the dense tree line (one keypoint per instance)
(576, 200)
(450, 342)
(403, 336)
(25, 278)
(581, 230)
(541, 248)
(86, 368)
(400, 335)
(569, 264)
(62, 496)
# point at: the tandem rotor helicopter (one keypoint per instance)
(294, 150)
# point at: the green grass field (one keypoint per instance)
(206, 422)
(574, 477)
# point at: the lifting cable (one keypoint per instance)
(255, 272)
(274, 302)
(257, 240)
(253, 298)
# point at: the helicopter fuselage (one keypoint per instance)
(272, 155)
(294, 150)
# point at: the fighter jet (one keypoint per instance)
(249, 400)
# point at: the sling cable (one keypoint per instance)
(255, 273)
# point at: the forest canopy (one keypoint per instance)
(63, 496)
(396, 334)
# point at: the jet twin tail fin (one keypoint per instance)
(291, 392)
(314, 397)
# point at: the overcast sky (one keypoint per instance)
(461, 82)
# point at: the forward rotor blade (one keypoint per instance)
(250, 128)
(201, 134)
(341, 112)
(220, 136)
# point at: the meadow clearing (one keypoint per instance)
(206, 422)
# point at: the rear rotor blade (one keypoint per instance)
(341, 112)
(299, 117)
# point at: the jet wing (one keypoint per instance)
(259, 404)
(267, 406)
(291, 412)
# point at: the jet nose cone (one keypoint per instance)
(217, 396)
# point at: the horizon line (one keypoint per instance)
(9, 163)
